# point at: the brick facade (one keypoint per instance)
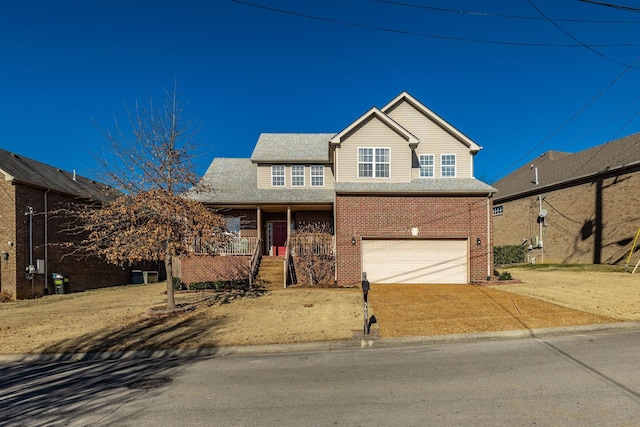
(15, 227)
(8, 237)
(591, 221)
(204, 268)
(360, 216)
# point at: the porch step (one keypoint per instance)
(271, 272)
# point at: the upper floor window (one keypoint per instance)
(297, 175)
(497, 210)
(448, 165)
(277, 175)
(426, 165)
(373, 162)
(317, 175)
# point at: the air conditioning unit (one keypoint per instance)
(534, 242)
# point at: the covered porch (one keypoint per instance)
(271, 226)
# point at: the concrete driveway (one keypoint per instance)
(544, 299)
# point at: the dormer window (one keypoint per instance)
(277, 175)
(373, 162)
(297, 175)
(448, 165)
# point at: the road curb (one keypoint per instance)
(354, 344)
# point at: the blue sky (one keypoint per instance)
(515, 85)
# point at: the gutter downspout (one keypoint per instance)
(488, 237)
(46, 239)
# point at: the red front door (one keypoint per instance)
(279, 238)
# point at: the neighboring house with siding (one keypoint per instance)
(30, 234)
(573, 208)
(396, 187)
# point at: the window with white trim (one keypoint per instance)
(297, 175)
(277, 175)
(374, 162)
(426, 165)
(317, 175)
(233, 224)
(497, 210)
(448, 165)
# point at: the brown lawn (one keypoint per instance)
(114, 319)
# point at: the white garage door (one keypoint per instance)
(415, 261)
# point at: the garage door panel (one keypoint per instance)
(415, 261)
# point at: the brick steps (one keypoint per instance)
(271, 272)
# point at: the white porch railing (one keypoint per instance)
(233, 246)
(238, 246)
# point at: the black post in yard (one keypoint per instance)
(365, 293)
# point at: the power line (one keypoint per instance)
(555, 24)
(576, 114)
(499, 15)
(412, 33)
(615, 6)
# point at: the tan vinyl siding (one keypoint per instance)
(433, 140)
(374, 133)
(264, 177)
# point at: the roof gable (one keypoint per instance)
(378, 114)
(405, 97)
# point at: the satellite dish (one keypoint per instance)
(543, 213)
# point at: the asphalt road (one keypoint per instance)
(588, 379)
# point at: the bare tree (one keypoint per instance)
(150, 163)
(312, 246)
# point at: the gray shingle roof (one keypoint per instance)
(28, 171)
(231, 181)
(292, 147)
(435, 185)
(556, 167)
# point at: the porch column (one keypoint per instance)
(259, 221)
(288, 223)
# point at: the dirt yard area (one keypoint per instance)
(114, 319)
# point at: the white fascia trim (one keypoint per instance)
(375, 112)
(473, 147)
(7, 175)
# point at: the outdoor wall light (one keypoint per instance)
(353, 241)
(5, 255)
(478, 241)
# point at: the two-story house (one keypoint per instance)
(396, 187)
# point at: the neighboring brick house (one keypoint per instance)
(396, 186)
(573, 208)
(29, 192)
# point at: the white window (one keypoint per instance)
(317, 175)
(233, 225)
(277, 175)
(448, 165)
(374, 162)
(497, 210)
(426, 165)
(297, 175)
